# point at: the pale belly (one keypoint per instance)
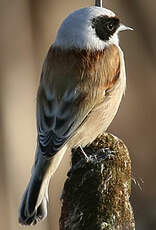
(98, 119)
(102, 115)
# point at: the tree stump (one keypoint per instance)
(97, 191)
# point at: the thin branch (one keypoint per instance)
(98, 3)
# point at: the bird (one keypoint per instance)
(82, 82)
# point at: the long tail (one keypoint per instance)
(33, 207)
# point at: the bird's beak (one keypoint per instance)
(123, 28)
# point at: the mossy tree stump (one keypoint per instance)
(96, 193)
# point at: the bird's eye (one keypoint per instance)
(110, 26)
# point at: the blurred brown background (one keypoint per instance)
(27, 28)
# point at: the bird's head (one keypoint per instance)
(91, 28)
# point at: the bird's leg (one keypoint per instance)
(87, 158)
(82, 150)
(81, 162)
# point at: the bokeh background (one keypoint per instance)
(27, 28)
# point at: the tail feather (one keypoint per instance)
(33, 207)
(32, 195)
(31, 210)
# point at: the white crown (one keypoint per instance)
(76, 31)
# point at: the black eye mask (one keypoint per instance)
(105, 26)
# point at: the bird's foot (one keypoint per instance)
(100, 155)
(105, 154)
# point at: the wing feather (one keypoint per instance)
(56, 120)
(65, 97)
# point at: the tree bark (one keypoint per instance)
(97, 191)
